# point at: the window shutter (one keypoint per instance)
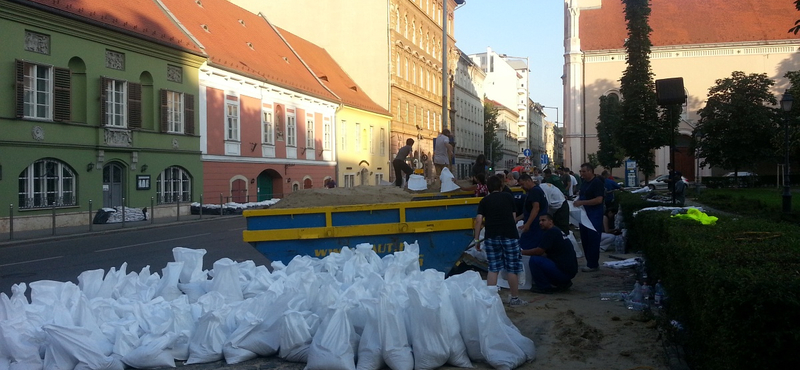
(188, 113)
(19, 84)
(164, 111)
(134, 105)
(103, 100)
(62, 109)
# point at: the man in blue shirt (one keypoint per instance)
(591, 198)
(535, 205)
(553, 263)
(610, 186)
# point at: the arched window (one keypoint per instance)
(47, 183)
(174, 185)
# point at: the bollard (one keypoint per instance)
(11, 221)
(152, 210)
(179, 209)
(123, 212)
(54, 218)
(220, 204)
(91, 221)
(201, 206)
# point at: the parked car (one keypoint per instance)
(740, 174)
(745, 179)
(660, 182)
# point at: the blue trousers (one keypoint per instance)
(545, 273)
(591, 246)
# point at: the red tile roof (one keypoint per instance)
(686, 22)
(332, 75)
(240, 41)
(142, 18)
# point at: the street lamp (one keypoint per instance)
(556, 108)
(786, 106)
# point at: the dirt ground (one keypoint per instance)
(572, 330)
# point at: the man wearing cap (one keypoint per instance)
(442, 152)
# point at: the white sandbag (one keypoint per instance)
(297, 332)
(524, 278)
(331, 348)
(152, 353)
(396, 350)
(430, 348)
(19, 338)
(69, 347)
(90, 282)
(226, 280)
(206, 343)
(193, 290)
(498, 344)
(192, 263)
(370, 350)
(123, 334)
(168, 284)
(452, 330)
(447, 180)
(230, 349)
(46, 306)
(264, 338)
(417, 183)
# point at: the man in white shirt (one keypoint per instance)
(557, 206)
(442, 152)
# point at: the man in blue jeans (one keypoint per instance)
(553, 263)
(591, 198)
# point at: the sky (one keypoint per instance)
(519, 28)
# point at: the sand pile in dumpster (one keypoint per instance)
(344, 197)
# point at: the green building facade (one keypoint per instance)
(92, 114)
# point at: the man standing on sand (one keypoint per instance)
(442, 152)
(553, 263)
(501, 240)
(400, 164)
(591, 198)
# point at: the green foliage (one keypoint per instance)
(796, 27)
(610, 154)
(762, 203)
(593, 160)
(641, 130)
(736, 123)
(492, 147)
(794, 118)
(734, 286)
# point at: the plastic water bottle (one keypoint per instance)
(636, 293)
(645, 292)
(658, 298)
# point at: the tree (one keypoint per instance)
(796, 27)
(738, 122)
(610, 154)
(492, 147)
(641, 130)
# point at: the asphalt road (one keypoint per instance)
(64, 260)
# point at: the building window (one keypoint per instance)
(232, 121)
(291, 131)
(406, 69)
(358, 136)
(310, 133)
(414, 73)
(269, 128)
(175, 112)
(349, 180)
(344, 135)
(383, 142)
(115, 98)
(371, 142)
(398, 66)
(38, 90)
(326, 135)
(174, 185)
(47, 183)
(378, 178)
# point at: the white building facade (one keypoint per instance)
(468, 104)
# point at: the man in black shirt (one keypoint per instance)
(501, 240)
(400, 164)
(553, 263)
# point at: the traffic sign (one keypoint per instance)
(526, 152)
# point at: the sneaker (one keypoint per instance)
(588, 269)
(516, 302)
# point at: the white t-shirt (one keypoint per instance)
(574, 184)
(555, 198)
(440, 150)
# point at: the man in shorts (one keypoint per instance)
(501, 240)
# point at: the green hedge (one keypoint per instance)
(735, 286)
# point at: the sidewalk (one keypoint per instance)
(31, 236)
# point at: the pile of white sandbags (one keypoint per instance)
(350, 310)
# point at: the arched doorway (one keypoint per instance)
(113, 180)
(364, 176)
(307, 184)
(268, 185)
(239, 191)
(684, 157)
